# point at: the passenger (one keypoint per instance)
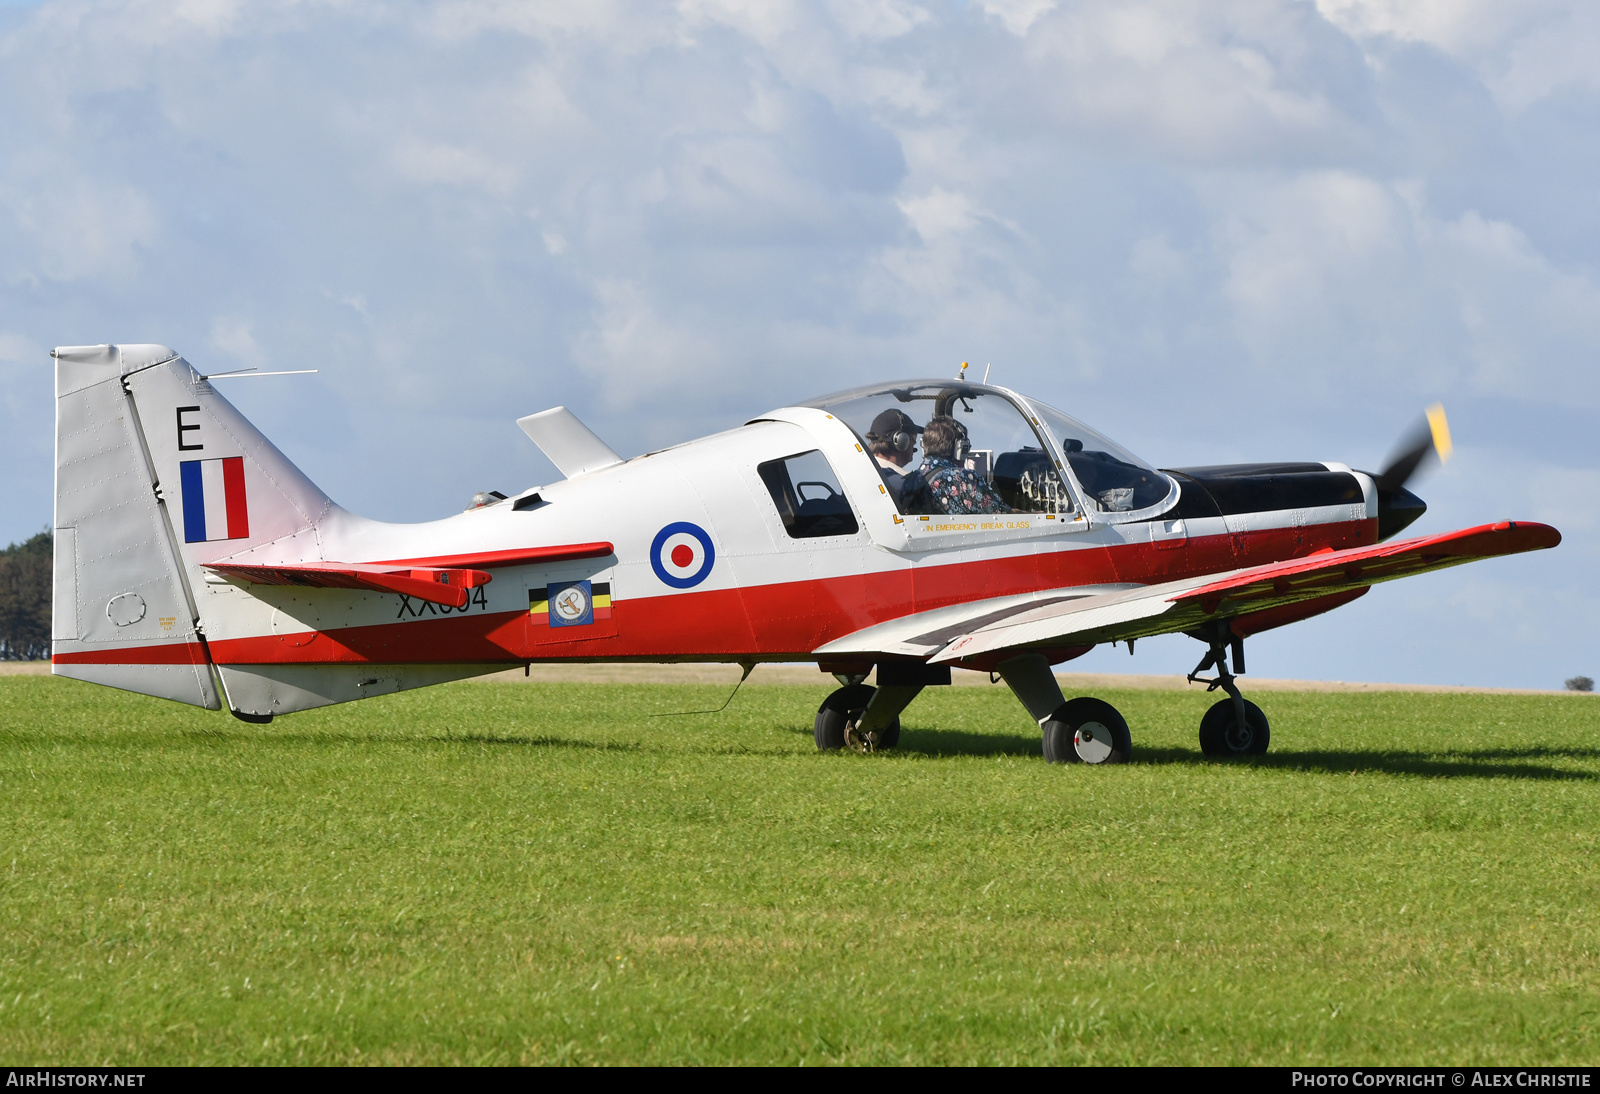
(892, 440)
(950, 486)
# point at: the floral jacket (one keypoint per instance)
(954, 489)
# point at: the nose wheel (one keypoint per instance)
(1223, 735)
(1233, 726)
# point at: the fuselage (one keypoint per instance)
(705, 564)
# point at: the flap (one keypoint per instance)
(926, 633)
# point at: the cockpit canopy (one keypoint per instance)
(1016, 449)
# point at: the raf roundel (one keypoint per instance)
(682, 555)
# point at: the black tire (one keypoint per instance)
(1078, 732)
(839, 713)
(1220, 736)
(888, 736)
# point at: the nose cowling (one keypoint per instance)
(1397, 508)
(1261, 487)
(1257, 487)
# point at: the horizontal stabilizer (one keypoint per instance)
(522, 556)
(570, 445)
(441, 586)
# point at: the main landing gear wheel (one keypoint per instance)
(1221, 734)
(839, 715)
(1085, 730)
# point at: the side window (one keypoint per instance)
(808, 496)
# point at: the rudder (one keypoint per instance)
(122, 613)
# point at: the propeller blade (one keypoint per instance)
(1430, 436)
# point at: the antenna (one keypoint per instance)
(986, 369)
(252, 373)
(962, 375)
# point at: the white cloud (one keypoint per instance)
(1456, 26)
(233, 336)
(633, 354)
(938, 213)
(1523, 52)
(1018, 15)
(73, 220)
(1568, 497)
(430, 163)
(1199, 83)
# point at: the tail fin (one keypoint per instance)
(157, 474)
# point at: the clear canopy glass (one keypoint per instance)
(1006, 451)
(1113, 479)
(1004, 465)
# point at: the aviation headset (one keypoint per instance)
(901, 440)
(963, 445)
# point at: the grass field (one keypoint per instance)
(505, 873)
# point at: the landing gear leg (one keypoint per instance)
(1233, 726)
(1029, 677)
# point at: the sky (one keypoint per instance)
(1218, 231)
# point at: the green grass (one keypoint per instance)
(508, 873)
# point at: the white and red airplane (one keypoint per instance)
(194, 562)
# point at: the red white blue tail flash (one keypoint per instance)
(213, 500)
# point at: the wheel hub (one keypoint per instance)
(1092, 742)
(855, 739)
(1238, 737)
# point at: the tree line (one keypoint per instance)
(25, 599)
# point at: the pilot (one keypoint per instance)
(950, 486)
(892, 440)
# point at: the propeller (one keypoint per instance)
(1431, 435)
(1397, 506)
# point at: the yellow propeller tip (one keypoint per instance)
(1440, 427)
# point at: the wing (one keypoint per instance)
(1253, 599)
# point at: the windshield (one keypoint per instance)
(980, 455)
(1114, 480)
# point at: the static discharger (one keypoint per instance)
(252, 373)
